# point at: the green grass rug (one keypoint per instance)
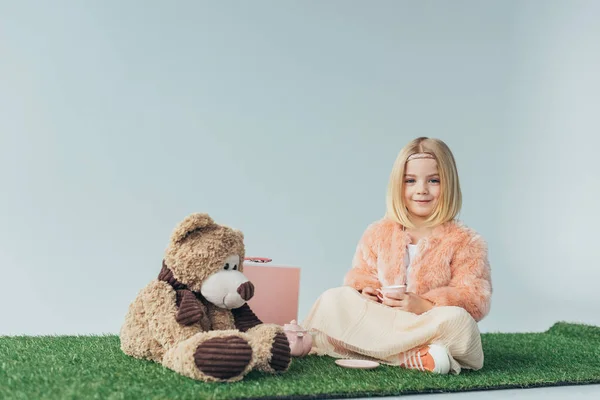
(77, 367)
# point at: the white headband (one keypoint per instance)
(416, 156)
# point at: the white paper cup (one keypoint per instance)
(396, 290)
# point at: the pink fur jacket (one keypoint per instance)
(451, 267)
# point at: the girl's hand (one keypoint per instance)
(370, 294)
(408, 301)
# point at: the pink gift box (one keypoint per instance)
(276, 291)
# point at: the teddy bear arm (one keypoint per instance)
(190, 310)
(160, 308)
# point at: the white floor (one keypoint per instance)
(547, 393)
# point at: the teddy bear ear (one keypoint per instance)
(191, 223)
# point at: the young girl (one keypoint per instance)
(432, 326)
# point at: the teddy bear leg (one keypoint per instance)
(215, 356)
(271, 347)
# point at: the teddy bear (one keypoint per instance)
(194, 317)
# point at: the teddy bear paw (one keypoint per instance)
(280, 353)
(223, 357)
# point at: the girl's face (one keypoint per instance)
(421, 187)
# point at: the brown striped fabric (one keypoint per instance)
(246, 290)
(244, 318)
(191, 305)
(190, 309)
(280, 351)
(167, 275)
(223, 357)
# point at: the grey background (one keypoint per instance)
(283, 119)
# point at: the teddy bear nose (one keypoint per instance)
(246, 290)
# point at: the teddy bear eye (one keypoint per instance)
(235, 267)
(226, 265)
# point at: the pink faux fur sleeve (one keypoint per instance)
(470, 286)
(364, 263)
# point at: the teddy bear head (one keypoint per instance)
(207, 258)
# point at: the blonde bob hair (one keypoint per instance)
(450, 201)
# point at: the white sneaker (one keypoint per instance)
(433, 358)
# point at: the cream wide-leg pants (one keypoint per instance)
(345, 324)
